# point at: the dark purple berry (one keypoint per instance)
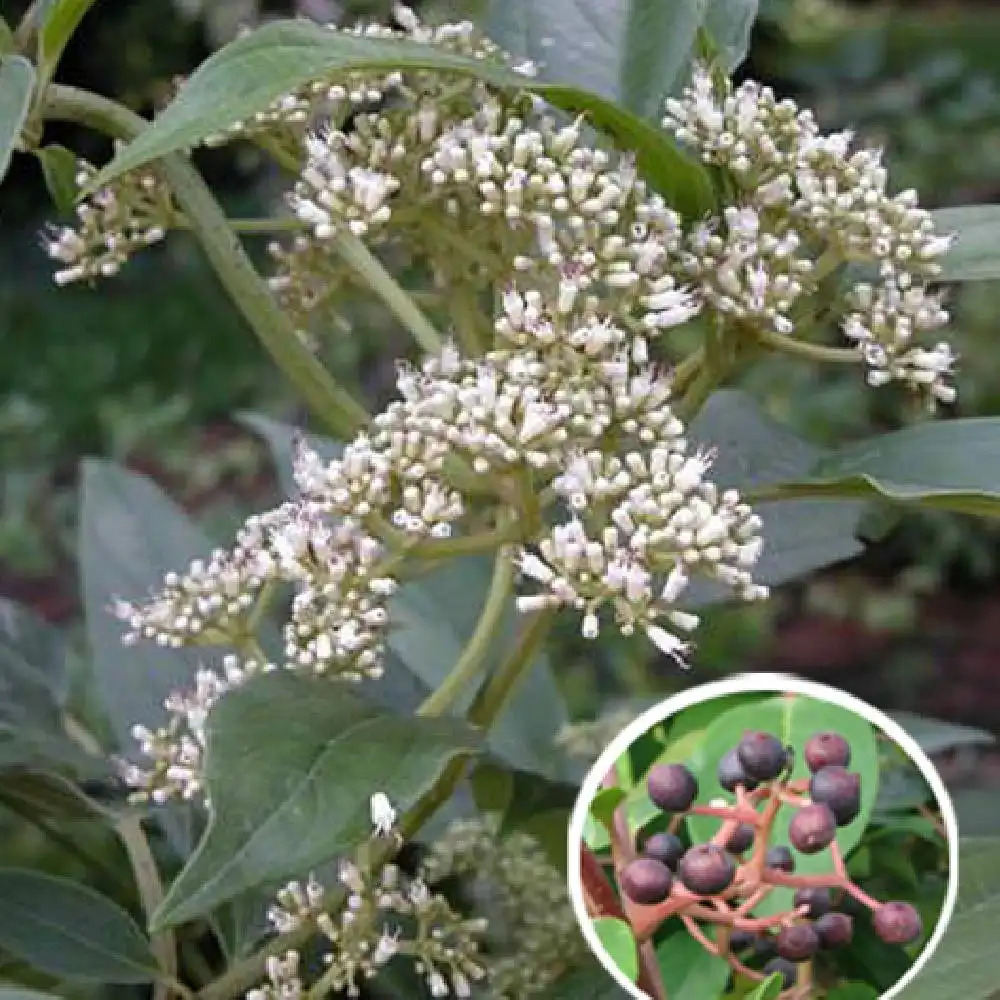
(812, 828)
(706, 869)
(672, 787)
(741, 839)
(646, 881)
(667, 848)
(797, 942)
(840, 790)
(835, 930)
(786, 969)
(827, 750)
(818, 901)
(763, 945)
(897, 923)
(780, 858)
(762, 755)
(740, 941)
(731, 773)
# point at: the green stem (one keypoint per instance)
(470, 662)
(251, 226)
(331, 403)
(686, 371)
(467, 319)
(368, 267)
(703, 385)
(811, 352)
(502, 682)
(447, 548)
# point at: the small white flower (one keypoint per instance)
(383, 815)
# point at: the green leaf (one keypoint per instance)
(975, 255)
(947, 464)
(688, 971)
(6, 37)
(46, 796)
(62, 18)
(130, 536)
(769, 989)
(967, 962)
(280, 440)
(729, 24)
(249, 73)
(604, 804)
(59, 167)
(793, 719)
(70, 931)
(933, 735)
(755, 451)
(619, 942)
(17, 83)
(290, 765)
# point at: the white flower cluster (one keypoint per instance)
(386, 915)
(175, 750)
(112, 224)
(533, 935)
(808, 203)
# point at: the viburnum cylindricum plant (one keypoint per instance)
(664, 860)
(581, 287)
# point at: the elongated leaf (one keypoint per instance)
(17, 80)
(975, 255)
(967, 962)
(946, 464)
(934, 735)
(70, 931)
(793, 719)
(633, 52)
(290, 766)
(754, 452)
(62, 18)
(131, 535)
(46, 796)
(59, 167)
(6, 37)
(280, 439)
(251, 72)
(619, 942)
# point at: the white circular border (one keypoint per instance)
(769, 682)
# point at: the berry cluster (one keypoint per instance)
(723, 881)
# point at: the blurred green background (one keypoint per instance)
(150, 368)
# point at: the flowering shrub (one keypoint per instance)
(581, 285)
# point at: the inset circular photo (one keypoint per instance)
(763, 837)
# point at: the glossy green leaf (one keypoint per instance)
(290, 765)
(130, 536)
(967, 962)
(769, 989)
(688, 971)
(59, 167)
(729, 24)
(70, 931)
(934, 735)
(975, 254)
(755, 452)
(17, 82)
(604, 804)
(46, 796)
(946, 464)
(793, 719)
(249, 73)
(619, 942)
(62, 18)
